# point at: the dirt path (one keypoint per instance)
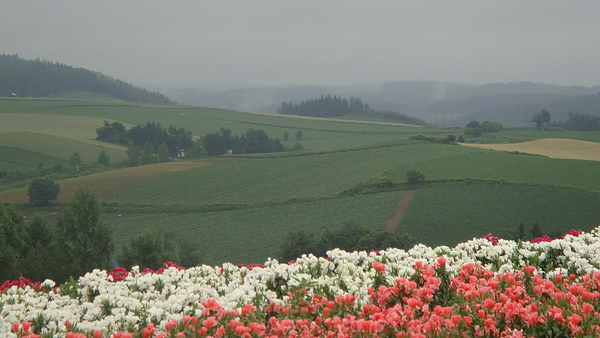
(392, 223)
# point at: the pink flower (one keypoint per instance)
(379, 267)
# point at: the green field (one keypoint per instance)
(274, 179)
(240, 209)
(252, 235)
(450, 214)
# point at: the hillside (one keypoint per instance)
(40, 78)
(241, 208)
(442, 103)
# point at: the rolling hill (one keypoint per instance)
(241, 207)
(40, 78)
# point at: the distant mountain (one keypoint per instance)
(442, 103)
(39, 78)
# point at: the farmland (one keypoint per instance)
(240, 208)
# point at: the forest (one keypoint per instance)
(336, 106)
(40, 78)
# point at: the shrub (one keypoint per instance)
(414, 176)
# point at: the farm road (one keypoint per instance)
(392, 223)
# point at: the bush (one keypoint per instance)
(42, 190)
(414, 176)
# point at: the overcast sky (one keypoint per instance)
(173, 43)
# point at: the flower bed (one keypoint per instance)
(486, 287)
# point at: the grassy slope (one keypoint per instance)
(273, 179)
(447, 215)
(252, 235)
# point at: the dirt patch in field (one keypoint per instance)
(392, 223)
(108, 182)
(551, 147)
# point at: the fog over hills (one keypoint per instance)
(442, 103)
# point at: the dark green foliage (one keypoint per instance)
(76, 161)
(39, 78)
(326, 106)
(535, 231)
(197, 151)
(414, 176)
(42, 190)
(149, 154)
(542, 119)
(253, 142)
(38, 262)
(491, 127)
(85, 241)
(582, 122)
(473, 129)
(13, 243)
(152, 248)
(298, 243)
(163, 153)
(103, 157)
(112, 132)
(351, 237)
(299, 135)
(176, 141)
(334, 106)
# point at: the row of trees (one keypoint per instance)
(574, 121)
(254, 141)
(39, 78)
(475, 129)
(147, 144)
(78, 242)
(350, 237)
(334, 106)
(326, 106)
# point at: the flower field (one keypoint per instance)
(486, 287)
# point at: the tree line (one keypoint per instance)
(79, 241)
(252, 142)
(151, 143)
(574, 121)
(350, 237)
(335, 106)
(39, 78)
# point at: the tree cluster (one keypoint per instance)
(349, 238)
(475, 129)
(77, 243)
(80, 241)
(38, 78)
(150, 143)
(333, 106)
(579, 122)
(326, 106)
(254, 141)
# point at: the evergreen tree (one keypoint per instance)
(83, 241)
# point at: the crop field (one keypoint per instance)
(447, 215)
(551, 147)
(252, 235)
(273, 179)
(510, 167)
(111, 181)
(12, 159)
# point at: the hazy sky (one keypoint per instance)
(173, 43)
